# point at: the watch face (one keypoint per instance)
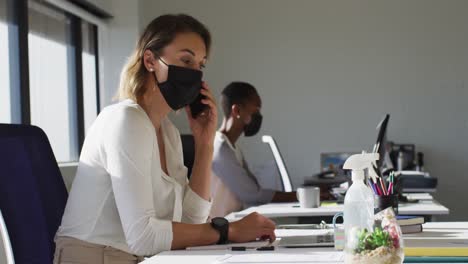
(219, 221)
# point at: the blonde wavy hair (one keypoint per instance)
(157, 35)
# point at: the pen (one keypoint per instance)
(384, 191)
(238, 248)
(371, 186)
(392, 180)
(376, 186)
(267, 248)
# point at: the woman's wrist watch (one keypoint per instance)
(221, 225)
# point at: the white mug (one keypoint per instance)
(308, 197)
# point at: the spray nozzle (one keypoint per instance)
(358, 162)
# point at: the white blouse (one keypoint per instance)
(120, 196)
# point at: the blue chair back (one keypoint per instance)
(32, 192)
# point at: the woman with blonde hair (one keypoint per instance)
(131, 197)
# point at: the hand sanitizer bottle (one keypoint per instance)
(358, 203)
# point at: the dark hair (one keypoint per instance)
(158, 34)
(236, 93)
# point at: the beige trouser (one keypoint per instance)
(73, 251)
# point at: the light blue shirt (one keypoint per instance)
(229, 165)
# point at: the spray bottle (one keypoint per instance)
(359, 200)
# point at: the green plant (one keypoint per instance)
(371, 241)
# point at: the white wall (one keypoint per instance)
(328, 70)
(68, 171)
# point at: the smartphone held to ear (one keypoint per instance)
(197, 107)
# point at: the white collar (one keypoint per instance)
(223, 137)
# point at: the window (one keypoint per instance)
(52, 82)
(9, 92)
(49, 67)
(5, 101)
(90, 73)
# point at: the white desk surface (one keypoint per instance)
(210, 256)
(277, 210)
(207, 257)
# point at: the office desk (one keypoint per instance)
(210, 256)
(292, 210)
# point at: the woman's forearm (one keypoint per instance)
(201, 171)
(189, 235)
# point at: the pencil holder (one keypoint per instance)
(385, 201)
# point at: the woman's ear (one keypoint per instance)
(149, 60)
(235, 111)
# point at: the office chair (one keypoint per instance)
(188, 149)
(286, 181)
(32, 193)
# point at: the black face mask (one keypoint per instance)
(182, 86)
(254, 126)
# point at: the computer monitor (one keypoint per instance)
(380, 147)
(285, 180)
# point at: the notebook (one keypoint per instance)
(409, 220)
(436, 247)
(436, 259)
(410, 229)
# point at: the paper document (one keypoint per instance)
(302, 232)
(323, 257)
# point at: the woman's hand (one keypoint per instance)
(250, 228)
(204, 126)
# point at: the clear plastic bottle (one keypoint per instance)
(358, 213)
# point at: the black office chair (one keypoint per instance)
(188, 149)
(32, 193)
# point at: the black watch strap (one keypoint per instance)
(221, 225)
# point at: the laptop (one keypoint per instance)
(308, 241)
(310, 235)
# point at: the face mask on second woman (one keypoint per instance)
(182, 86)
(252, 128)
